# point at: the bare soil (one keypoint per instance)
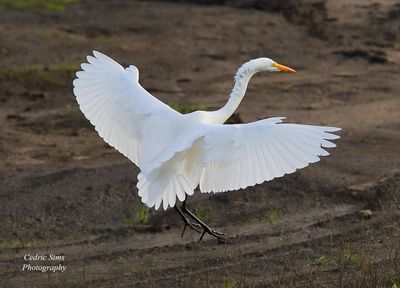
(65, 192)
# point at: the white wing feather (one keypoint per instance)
(237, 156)
(124, 114)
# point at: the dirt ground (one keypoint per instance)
(65, 192)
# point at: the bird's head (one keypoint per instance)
(258, 65)
(266, 64)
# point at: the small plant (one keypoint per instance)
(201, 214)
(37, 76)
(272, 217)
(55, 5)
(282, 239)
(149, 262)
(351, 257)
(143, 215)
(229, 283)
(120, 260)
(394, 285)
(322, 261)
(10, 244)
(127, 222)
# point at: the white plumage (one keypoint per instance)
(177, 152)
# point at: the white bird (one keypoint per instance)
(178, 152)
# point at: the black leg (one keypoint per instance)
(187, 222)
(206, 229)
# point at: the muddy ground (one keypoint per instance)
(65, 192)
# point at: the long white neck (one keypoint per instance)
(241, 79)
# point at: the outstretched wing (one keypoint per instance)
(237, 156)
(124, 114)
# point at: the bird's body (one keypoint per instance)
(178, 152)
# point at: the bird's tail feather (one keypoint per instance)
(163, 187)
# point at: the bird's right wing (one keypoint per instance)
(237, 156)
(124, 114)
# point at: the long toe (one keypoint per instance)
(211, 232)
(218, 233)
(206, 229)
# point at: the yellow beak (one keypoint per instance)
(283, 68)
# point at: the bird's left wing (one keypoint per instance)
(237, 156)
(124, 114)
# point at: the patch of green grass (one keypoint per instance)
(351, 257)
(37, 76)
(201, 214)
(127, 222)
(65, 67)
(4, 47)
(119, 260)
(322, 261)
(10, 244)
(229, 283)
(272, 217)
(345, 257)
(282, 239)
(143, 214)
(131, 267)
(152, 262)
(26, 5)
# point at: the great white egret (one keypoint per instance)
(178, 152)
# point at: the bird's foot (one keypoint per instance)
(194, 226)
(212, 232)
(206, 228)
